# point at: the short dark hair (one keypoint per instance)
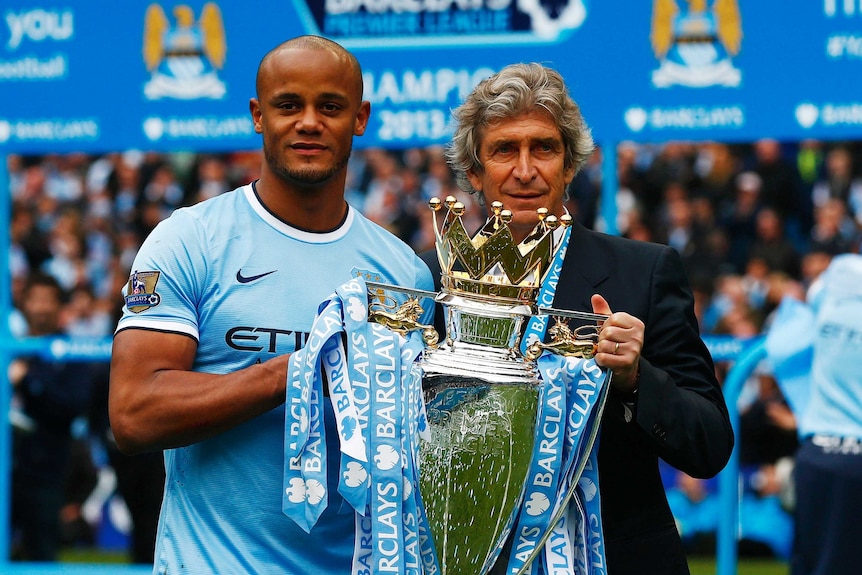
(312, 42)
(42, 279)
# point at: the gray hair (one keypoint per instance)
(515, 90)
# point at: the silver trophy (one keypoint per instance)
(481, 393)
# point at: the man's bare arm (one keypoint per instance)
(156, 402)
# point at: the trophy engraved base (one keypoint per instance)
(474, 468)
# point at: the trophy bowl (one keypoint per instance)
(474, 468)
(481, 398)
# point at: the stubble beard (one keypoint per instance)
(304, 175)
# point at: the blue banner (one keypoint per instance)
(94, 75)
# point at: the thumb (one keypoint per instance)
(600, 305)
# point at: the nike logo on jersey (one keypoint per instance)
(247, 279)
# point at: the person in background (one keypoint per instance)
(781, 187)
(738, 217)
(827, 402)
(48, 396)
(140, 478)
(220, 295)
(772, 246)
(520, 139)
(834, 231)
(696, 509)
(840, 182)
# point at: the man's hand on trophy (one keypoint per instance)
(621, 339)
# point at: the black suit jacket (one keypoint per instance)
(679, 411)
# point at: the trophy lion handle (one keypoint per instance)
(580, 342)
(404, 320)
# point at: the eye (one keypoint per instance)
(547, 149)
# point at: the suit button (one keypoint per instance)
(659, 432)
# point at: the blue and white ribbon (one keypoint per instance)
(354, 471)
(572, 398)
(543, 477)
(538, 324)
(580, 532)
(375, 390)
(305, 490)
(378, 432)
(576, 538)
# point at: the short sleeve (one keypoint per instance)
(166, 278)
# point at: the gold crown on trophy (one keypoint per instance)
(490, 265)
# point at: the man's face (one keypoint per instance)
(523, 167)
(308, 111)
(41, 308)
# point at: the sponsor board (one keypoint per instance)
(400, 23)
(73, 77)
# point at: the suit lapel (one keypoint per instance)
(584, 269)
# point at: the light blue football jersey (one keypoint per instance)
(835, 401)
(247, 286)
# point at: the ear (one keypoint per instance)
(475, 180)
(362, 117)
(254, 108)
(569, 175)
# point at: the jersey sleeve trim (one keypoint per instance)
(166, 326)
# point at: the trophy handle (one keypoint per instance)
(406, 317)
(572, 314)
(579, 342)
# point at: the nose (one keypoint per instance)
(309, 120)
(524, 170)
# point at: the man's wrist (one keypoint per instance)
(631, 391)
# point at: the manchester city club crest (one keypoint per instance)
(183, 58)
(695, 41)
(141, 291)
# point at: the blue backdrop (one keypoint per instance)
(99, 75)
(96, 75)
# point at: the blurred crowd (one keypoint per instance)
(753, 222)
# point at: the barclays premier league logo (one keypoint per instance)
(358, 23)
(141, 291)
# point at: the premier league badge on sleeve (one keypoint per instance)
(141, 291)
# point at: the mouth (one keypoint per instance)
(525, 196)
(307, 147)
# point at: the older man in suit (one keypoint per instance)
(520, 139)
